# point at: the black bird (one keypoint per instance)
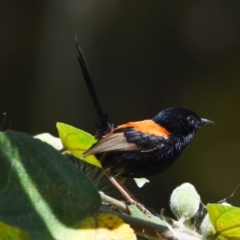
(148, 147)
(142, 148)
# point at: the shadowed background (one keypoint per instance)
(143, 58)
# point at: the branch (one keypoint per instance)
(175, 231)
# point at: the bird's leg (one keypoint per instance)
(126, 193)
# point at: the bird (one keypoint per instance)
(141, 148)
(148, 147)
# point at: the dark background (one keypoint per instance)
(144, 57)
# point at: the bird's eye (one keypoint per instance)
(190, 119)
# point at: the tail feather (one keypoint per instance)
(103, 126)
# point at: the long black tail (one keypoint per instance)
(104, 126)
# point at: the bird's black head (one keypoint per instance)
(179, 121)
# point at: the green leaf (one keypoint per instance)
(77, 142)
(141, 181)
(226, 221)
(41, 192)
(135, 212)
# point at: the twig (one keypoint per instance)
(115, 203)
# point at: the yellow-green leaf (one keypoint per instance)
(12, 233)
(106, 226)
(77, 142)
(226, 221)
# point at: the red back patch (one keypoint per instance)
(146, 126)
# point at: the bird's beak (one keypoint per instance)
(206, 121)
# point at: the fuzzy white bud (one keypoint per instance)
(184, 202)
